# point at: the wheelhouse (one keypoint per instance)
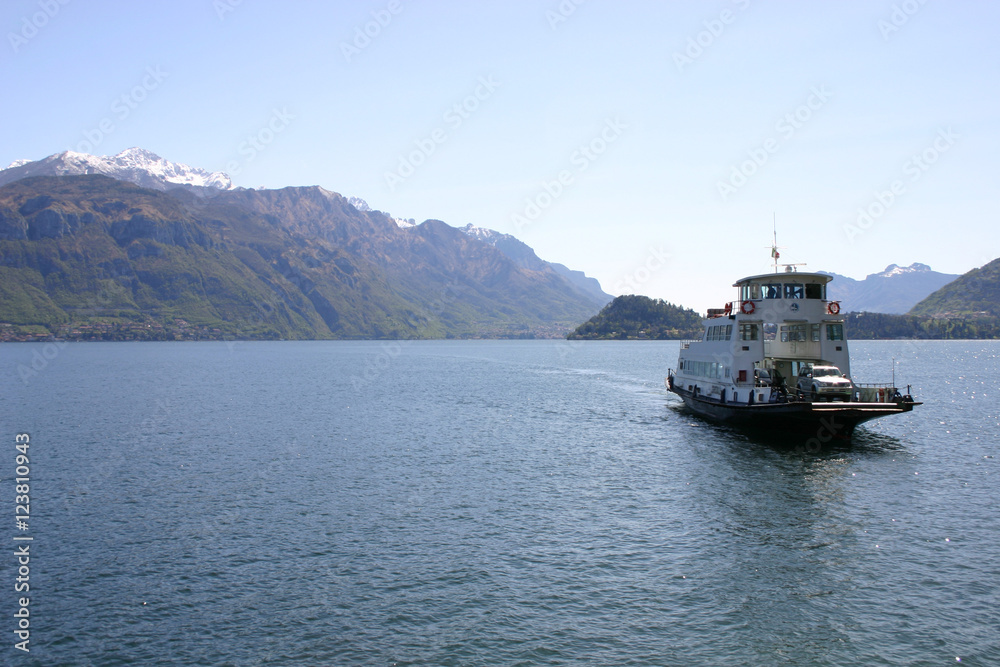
(777, 325)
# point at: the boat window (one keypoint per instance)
(749, 292)
(719, 332)
(793, 333)
(814, 291)
(794, 291)
(748, 332)
(814, 332)
(835, 332)
(772, 291)
(708, 369)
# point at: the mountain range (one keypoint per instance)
(135, 165)
(895, 290)
(522, 255)
(974, 295)
(966, 307)
(134, 246)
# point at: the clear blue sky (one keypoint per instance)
(646, 143)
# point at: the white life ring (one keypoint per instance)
(747, 307)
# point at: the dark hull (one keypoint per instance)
(823, 421)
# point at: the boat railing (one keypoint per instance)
(875, 392)
(685, 344)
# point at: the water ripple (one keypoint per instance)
(496, 503)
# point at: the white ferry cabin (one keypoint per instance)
(752, 350)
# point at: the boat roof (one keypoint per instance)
(797, 276)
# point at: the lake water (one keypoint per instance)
(488, 503)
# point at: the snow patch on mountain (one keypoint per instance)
(523, 255)
(479, 232)
(362, 205)
(136, 165)
(359, 203)
(896, 270)
(895, 290)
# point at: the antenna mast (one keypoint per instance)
(775, 255)
(774, 244)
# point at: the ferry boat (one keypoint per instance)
(776, 359)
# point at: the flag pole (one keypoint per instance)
(774, 244)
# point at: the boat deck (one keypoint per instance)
(808, 417)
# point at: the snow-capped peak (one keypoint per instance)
(140, 159)
(136, 165)
(362, 205)
(896, 270)
(482, 233)
(16, 163)
(359, 203)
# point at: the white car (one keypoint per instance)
(824, 383)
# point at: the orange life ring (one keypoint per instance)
(747, 307)
(833, 308)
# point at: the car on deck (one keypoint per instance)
(823, 383)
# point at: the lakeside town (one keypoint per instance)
(108, 331)
(182, 330)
